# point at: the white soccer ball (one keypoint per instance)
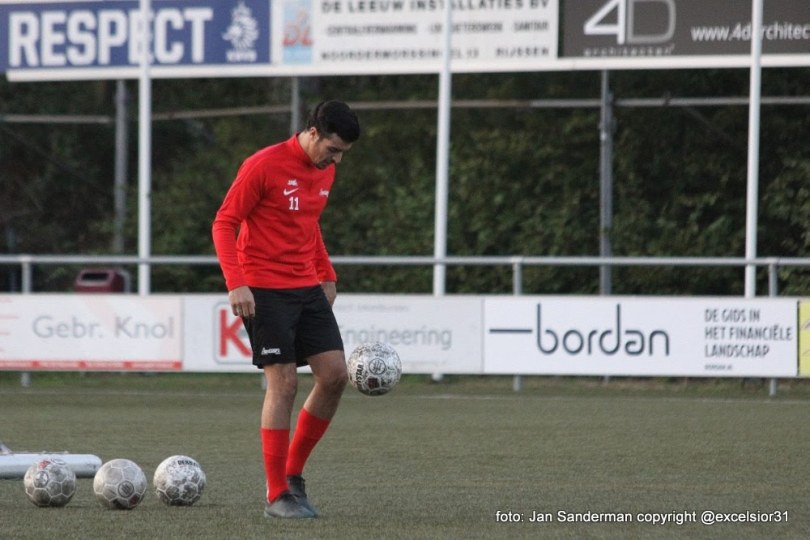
(50, 482)
(374, 368)
(120, 484)
(179, 481)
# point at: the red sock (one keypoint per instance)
(308, 432)
(275, 444)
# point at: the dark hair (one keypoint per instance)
(335, 117)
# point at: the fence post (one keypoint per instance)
(517, 290)
(27, 279)
(773, 291)
(27, 287)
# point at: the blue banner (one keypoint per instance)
(108, 34)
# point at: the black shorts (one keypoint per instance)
(291, 325)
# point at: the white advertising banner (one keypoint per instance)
(712, 337)
(407, 36)
(214, 339)
(431, 335)
(93, 332)
(531, 335)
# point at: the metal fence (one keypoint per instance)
(518, 263)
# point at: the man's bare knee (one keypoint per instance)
(333, 379)
(329, 371)
(282, 380)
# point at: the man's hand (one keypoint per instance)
(330, 289)
(242, 302)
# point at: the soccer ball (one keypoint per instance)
(179, 481)
(120, 484)
(50, 482)
(374, 368)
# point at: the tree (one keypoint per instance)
(522, 181)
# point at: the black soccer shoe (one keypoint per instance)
(298, 490)
(287, 506)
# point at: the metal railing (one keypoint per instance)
(518, 263)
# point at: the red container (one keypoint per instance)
(102, 280)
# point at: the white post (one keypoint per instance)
(442, 161)
(753, 148)
(442, 155)
(144, 150)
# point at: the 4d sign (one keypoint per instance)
(634, 22)
(636, 29)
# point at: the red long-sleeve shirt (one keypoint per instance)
(275, 204)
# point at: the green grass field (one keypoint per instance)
(431, 460)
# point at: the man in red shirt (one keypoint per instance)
(280, 281)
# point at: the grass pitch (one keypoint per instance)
(467, 458)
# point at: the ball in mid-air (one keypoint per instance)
(179, 481)
(120, 484)
(50, 482)
(374, 368)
